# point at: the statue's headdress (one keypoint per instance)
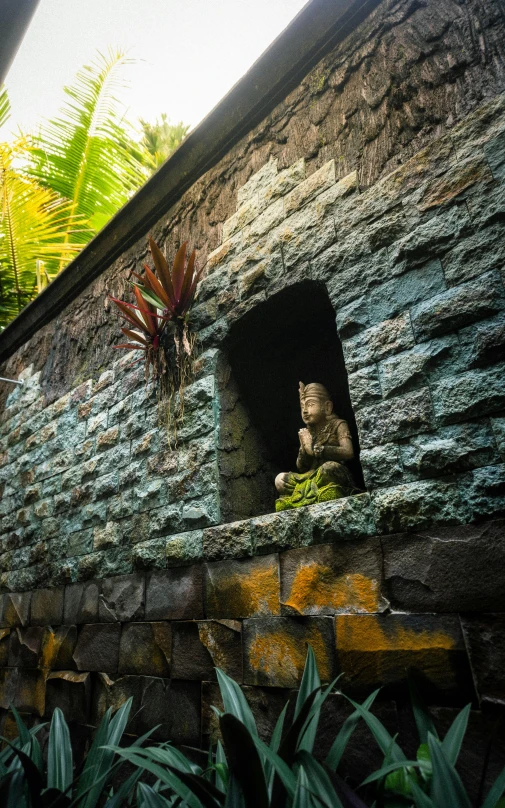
(313, 390)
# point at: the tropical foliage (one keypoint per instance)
(161, 138)
(59, 187)
(38, 231)
(242, 771)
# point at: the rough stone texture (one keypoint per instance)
(246, 588)
(121, 599)
(175, 594)
(485, 637)
(97, 647)
(418, 505)
(381, 649)
(81, 603)
(447, 569)
(71, 692)
(330, 579)
(145, 648)
(200, 647)
(275, 649)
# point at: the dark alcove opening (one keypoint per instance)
(291, 337)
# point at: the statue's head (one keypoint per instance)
(315, 403)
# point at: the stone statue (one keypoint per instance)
(325, 445)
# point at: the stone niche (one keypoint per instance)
(290, 337)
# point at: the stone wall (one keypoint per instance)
(129, 567)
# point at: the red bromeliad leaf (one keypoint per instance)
(126, 311)
(162, 269)
(178, 271)
(185, 298)
(133, 335)
(130, 345)
(150, 323)
(158, 288)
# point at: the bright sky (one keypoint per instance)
(189, 52)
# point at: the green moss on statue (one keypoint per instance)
(325, 446)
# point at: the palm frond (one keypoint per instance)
(84, 155)
(33, 227)
(5, 107)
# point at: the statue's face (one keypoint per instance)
(315, 411)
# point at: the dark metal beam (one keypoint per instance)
(15, 16)
(319, 26)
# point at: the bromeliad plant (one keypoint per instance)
(164, 298)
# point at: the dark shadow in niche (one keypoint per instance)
(291, 337)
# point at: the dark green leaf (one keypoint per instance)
(235, 702)
(302, 798)
(424, 721)
(454, 737)
(495, 791)
(391, 767)
(380, 733)
(339, 744)
(59, 753)
(244, 761)
(319, 782)
(149, 798)
(446, 786)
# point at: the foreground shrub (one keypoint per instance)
(242, 771)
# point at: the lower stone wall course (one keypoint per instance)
(451, 569)
(200, 647)
(275, 649)
(375, 650)
(175, 594)
(97, 647)
(243, 588)
(332, 578)
(81, 603)
(485, 638)
(121, 599)
(47, 607)
(145, 648)
(71, 692)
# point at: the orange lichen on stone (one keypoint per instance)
(256, 592)
(316, 588)
(280, 658)
(370, 634)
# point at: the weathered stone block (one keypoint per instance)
(227, 541)
(198, 648)
(262, 225)
(459, 306)
(275, 649)
(70, 692)
(333, 579)
(8, 685)
(458, 179)
(30, 691)
(364, 387)
(57, 648)
(16, 608)
(97, 647)
(375, 650)
(242, 588)
(446, 569)
(160, 522)
(278, 531)
(121, 599)
(479, 253)
(432, 237)
(400, 293)
(342, 519)
(184, 548)
(484, 343)
(176, 706)
(353, 317)
(305, 234)
(313, 185)
(485, 637)
(149, 555)
(25, 647)
(485, 489)
(175, 594)
(477, 392)
(145, 648)
(47, 607)
(450, 449)
(395, 419)
(373, 344)
(416, 367)
(4, 646)
(81, 603)
(381, 465)
(498, 426)
(418, 505)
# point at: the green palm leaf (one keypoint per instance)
(5, 106)
(35, 224)
(85, 154)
